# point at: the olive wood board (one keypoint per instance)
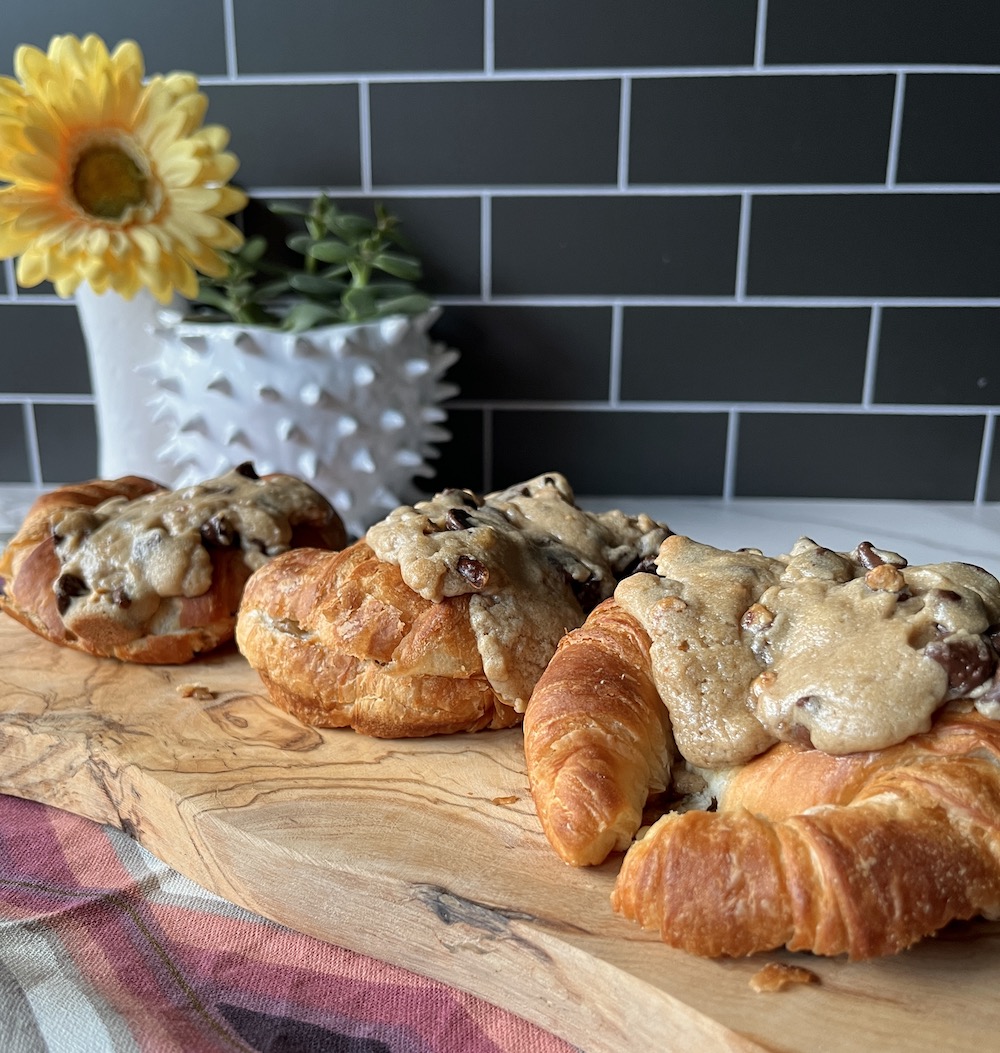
(427, 853)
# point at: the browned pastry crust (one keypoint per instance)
(340, 640)
(862, 855)
(594, 756)
(181, 627)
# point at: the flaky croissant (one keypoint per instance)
(596, 738)
(444, 616)
(339, 640)
(127, 569)
(861, 855)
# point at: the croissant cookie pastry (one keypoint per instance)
(443, 617)
(128, 569)
(826, 727)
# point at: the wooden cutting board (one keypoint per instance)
(427, 853)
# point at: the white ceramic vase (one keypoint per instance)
(353, 409)
(120, 339)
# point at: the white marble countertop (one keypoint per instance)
(922, 531)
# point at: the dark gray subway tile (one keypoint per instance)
(14, 464)
(948, 131)
(993, 473)
(552, 353)
(614, 245)
(67, 442)
(862, 455)
(874, 245)
(42, 349)
(939, 356)
(291, 134)
(614, 452)
(182, 35)
(568, 34)
(760, 129)
(444, 233)
(460, 460)
(882, 31)
(316, 36)
(495, 133)
(744, 354)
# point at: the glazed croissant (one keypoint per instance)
(125, 568)
(860, 855)
(443, 617)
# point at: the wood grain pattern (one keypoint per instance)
(427, 853)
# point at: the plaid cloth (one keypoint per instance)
(103, 947)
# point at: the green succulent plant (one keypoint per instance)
(353, 269)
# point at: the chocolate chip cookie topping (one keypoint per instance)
(841, 651)
(531, 561)
(122, 557)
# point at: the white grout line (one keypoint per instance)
(489, 38)
(595, 300)
(624, 132)
(743, 249)
(485, 246)
(895, 131)
(802, 408)
(871, 356)
(365, 135)
(10, 273)
(597, 73)
(760, 35)
(985, 458)
(615, 363)
(732, 450)
(644, 190)
(229, 28)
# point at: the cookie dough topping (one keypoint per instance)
(122, 557)
(841, 651)
(531, 561)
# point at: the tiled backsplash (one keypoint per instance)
(692, 247)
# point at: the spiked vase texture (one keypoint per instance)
(353, 409)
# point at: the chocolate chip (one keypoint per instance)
(588, 593)
(67, 588)
(218, 532)
(968, 662)
(247, 469)
(476, 573)
(640, 565)
(457, 519)
(868, 557)
(120, 598)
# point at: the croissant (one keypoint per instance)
(595, 756)
(850, 850)
(861, 855)
(443, 617)
(125, 568)
(339, 640)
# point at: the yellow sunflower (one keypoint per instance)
(111, 181)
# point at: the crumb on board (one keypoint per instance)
(194, 691)
(505, 800)
(776, 976)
